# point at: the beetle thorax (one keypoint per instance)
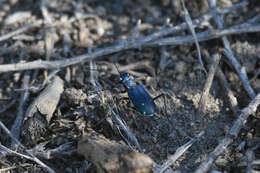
(127, 81)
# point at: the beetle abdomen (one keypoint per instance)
(142, 100)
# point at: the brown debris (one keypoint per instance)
(40, 112)
(74, 96)
(110, 156)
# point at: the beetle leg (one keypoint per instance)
(124, 91)
(158, 96)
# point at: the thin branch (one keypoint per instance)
(204, 36)
(230, 95)
(208, 83)
(192, 30)
(207, 35)
(16, 128)
(20, 30)
(144, 41)
(250, 157)
(35, 89)
(241, 72)
(30, 153)
(228, 52)
(9, 151)
(9, 105)
(232, 100)
(231, 135)
(64, 149)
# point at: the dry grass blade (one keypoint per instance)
(130, 138)
(178, 153)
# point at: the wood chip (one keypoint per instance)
(112, 157)
(40, 112)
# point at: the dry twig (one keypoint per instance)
(191, 27)
(16, 128)
(28, 152)
(9, 151)
(64, 149)
(227, 51)
(250, 157)
(231, 135)
(241, 72)
(20, 30)
(208, 83)
(232, 100)
(9, 105)
(144, 41)
(207, 35)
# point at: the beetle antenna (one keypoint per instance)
(117, 68)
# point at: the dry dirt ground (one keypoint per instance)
(77, 25)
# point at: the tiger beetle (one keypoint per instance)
(138, 95)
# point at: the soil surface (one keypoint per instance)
(77, 25)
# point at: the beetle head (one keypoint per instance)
(124, 77)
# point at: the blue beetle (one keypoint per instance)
(138, 95)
